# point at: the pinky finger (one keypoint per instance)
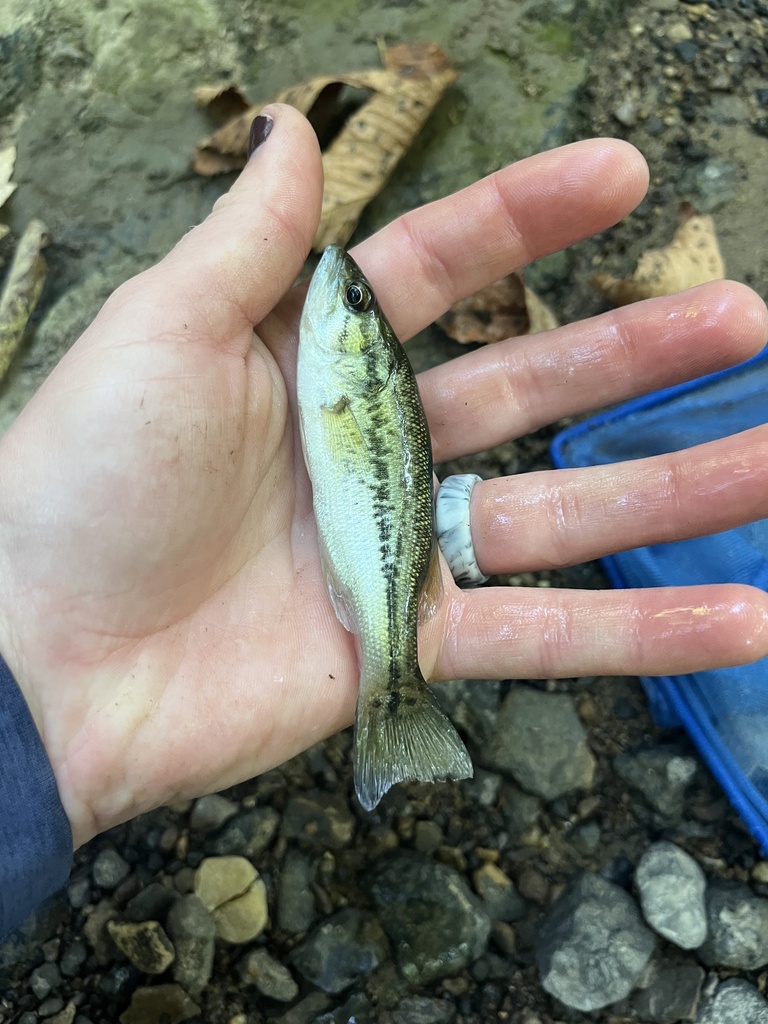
(536, 633)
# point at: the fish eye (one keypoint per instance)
(357, 297)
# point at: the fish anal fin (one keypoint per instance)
(403, 735)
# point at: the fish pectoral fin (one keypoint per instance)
(342, 429)
(403, 735)
(432, 592)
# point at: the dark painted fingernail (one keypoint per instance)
(260, 129)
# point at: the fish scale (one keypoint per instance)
(367, 450)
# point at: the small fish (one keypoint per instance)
(368, 454)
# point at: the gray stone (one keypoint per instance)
(347, 945)
(673, 995)
(423, 1010)
(473, 705)
(95, 930)
(322, 820)
(73, 957)
(671, 886)
(210, 812)
(49, 1006)
(248, 834)
(45, 979)
(437, 926)
(78, 892)
(295, 900)
(427, 836)
(192, 931)
(145, 944)
(152, 903)
(269, 976)
(710, 184)
(539, 740)
(109, 869)
(306, 1011)
(160, 1004)
(356, 1009)
(498, 893)
(662, 776)
(593, 947)
(738, 927)
(64, 1016)
(734, 1002)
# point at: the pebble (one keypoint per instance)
(738, 927)
(210, 812)
(50, 1006)
(152, 903)
(347, 945)
(219, 879)
(323, 820)
(539, 740)
(356, 1009)
(626, 112)
(78, 892)
(672, 995)
(710, 184)
(73, 957)
(295, 902)
(44, 979)
(679, 32)
(306, 1011)
(269, 976)
(245, 917)
(662, 776)
(498, 893)
(593, 947)
(109, 869)
(671, 886)
(734, 1002)
(160, 1004)
(193, 932)
(427, 836)
(95, 931)
(423, 1010)
(248, 834)
(145, 944)
(472, 705)
(436, 924)
(65, 1016)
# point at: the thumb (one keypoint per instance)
(249, 251)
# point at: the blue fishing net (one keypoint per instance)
(725, 711)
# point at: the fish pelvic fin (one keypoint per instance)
(403, 735)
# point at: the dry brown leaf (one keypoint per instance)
(360, 158)
(21, 291)
(506, 309)
(691, 258)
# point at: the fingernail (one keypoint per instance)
(260, 129)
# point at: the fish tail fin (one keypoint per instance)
(403, 735)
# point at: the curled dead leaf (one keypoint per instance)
(22, 288)
(371, 119)
(506, 309)
(691, 258)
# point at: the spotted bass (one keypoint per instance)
(368, 454)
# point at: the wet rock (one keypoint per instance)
(357, 1009)
(671, 886)
(306, 1011)
(73, 957)
(593, 947)
(427, 836)
(248, 834)
(210, 812)
(193, 932)
(109, 869)
(45, 979)
(539, 740)
(521, 810)
(662, 776)
(473, 705)
(269, 976)
(423, 1010)
(673, 995)
(295, 901)
(323, 820)
(734, 1002)
(50, 1006)
(152, 903)
(64, 1016)
(244, 917)
(710, 184)
(737, 923)
(96, 933)
(145, 944)
(437, 926)
(219, 879)
(78, 892)
(341, 949)
(498, 893)
(160, 1004)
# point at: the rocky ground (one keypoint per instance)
(599, 875)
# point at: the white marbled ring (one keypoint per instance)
(453, 528)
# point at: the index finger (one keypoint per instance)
(426, 260)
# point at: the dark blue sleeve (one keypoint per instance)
(35, 837)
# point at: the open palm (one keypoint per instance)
(161, 598)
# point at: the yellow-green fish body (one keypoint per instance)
(368, 454)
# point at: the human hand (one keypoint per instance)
(162, 602)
